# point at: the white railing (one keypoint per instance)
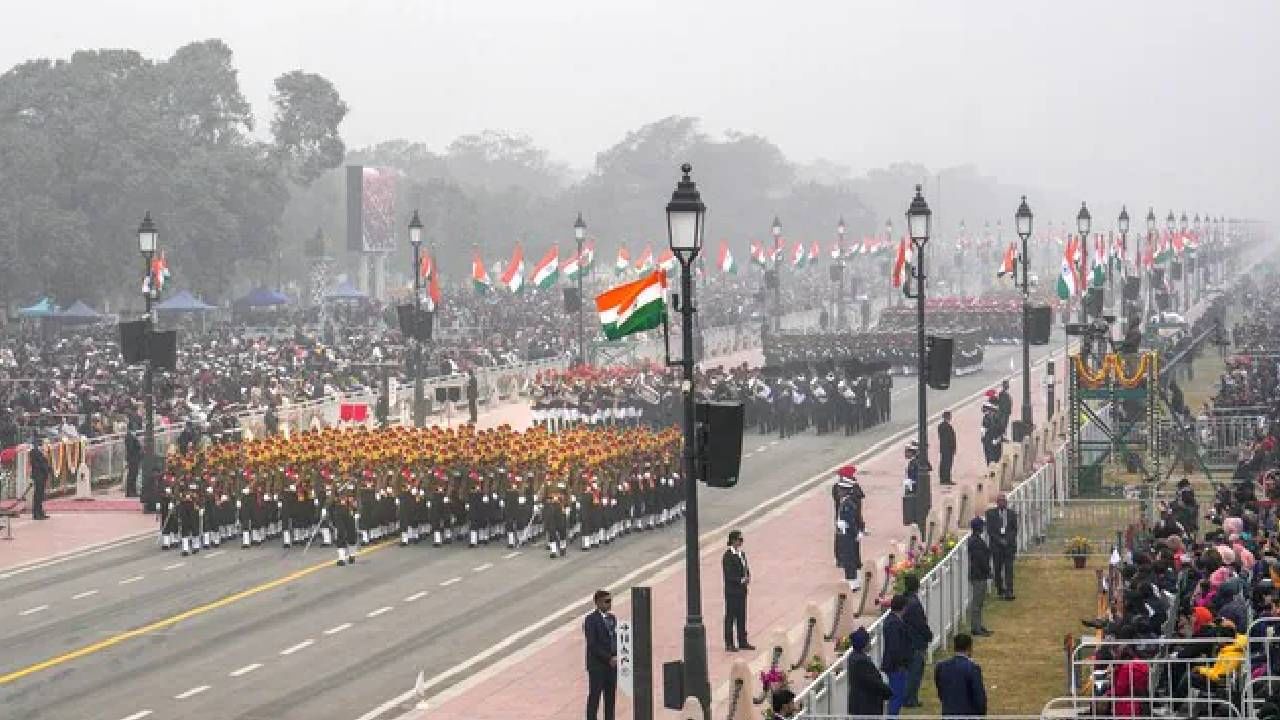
(944, 590)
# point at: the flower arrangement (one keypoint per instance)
(773, 679)
(1078, 546)
(918, 562)
(815, 666)
(843, 645)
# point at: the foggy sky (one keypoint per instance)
(1169, 102)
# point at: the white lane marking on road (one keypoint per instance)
(450, 581)
(193, 691)
(174, 566)
(416, 596)
(245, 670)
(747, 455)
(138, 715)
(304, 644)
(79, 553)
(337, 629)
(512, 554)
(133, 579)
(775, 442)
(781, 502)
(83, 595)
(214, 554)
(379, 611)
(482, 568)
(34, 610)
(762, 448)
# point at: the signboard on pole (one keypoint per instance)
(626, 658)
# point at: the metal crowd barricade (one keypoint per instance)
(828, 694)
(1264, 664)
(1221, 438)
(1174, 684)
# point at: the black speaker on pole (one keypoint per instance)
(572, 301)
(771, 279)
(939, 361)
(1039, 324)
(721, 438)
(1093, 302)
(133, 342)
(407, 321)
(1132, 288)
(163, 349)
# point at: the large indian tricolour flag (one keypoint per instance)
(633, 307)
(725, 261)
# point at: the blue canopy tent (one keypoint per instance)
(262, 297)
(184, 302)
(79, 313)
(345, 291)
(43, 309)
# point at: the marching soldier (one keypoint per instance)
(345, 509)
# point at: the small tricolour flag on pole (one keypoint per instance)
(547, 271)
(573, 266)
(836, 250)
(1007, 263)
(814, 251)
(900, 262)
(667, 261)
(633, 307)
(1068, 282)
(757, 254)
(479, 275)
(623, 263)
(1098, 268)
(725, 259)
(513, 275)
(645, 263)
(797, 255)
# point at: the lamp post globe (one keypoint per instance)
(1123, 222)
(776, 228)
(1171, 223)
(685, 217)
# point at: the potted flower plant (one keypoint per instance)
(1078, 549)
(814, 667)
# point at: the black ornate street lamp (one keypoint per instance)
(1186, 265)
(919, 226)
(1152, 229)
(415, 240)
(148, 240)
(685, 229)
(579, 235)
(1022, 220)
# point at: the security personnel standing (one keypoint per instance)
(946, 449)
(40, 472)
(850, 526)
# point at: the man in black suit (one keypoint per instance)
(41, 471)
(132, 462)
(946, 449)
(959, 682)
(1002, 533)
(737, 576)
(600, 630)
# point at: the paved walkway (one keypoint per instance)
(790, 552)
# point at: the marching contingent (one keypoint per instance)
(352, 487)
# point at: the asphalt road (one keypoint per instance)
(266, 633)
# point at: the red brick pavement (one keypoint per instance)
(792, 564)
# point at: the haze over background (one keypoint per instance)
(1169, 102)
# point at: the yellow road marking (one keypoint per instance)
(174, 619)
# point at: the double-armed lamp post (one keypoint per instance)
(919, 225)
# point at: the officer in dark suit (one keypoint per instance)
(1004, 406)
(737, 576)
(867, 689)
(1002, 533)
(473, 397)
(946, 449)
(40, 473)
(959, 682)
(133, 462)
(600, 631)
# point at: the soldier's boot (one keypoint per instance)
(287, 538)
(855, 585)
(204, 539)
(404, 538)
(186, 546)
(552, 548)
(483, 535)
(511, 538)
(195, 544)
(351, 555)
(166, 541)
(244, 539)
(326, 536)
(474, 538)
(436, 539)
(342, 556)
(448, 535)
(258, 534)
(364, 537)
(564, 548)
(586, 543)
